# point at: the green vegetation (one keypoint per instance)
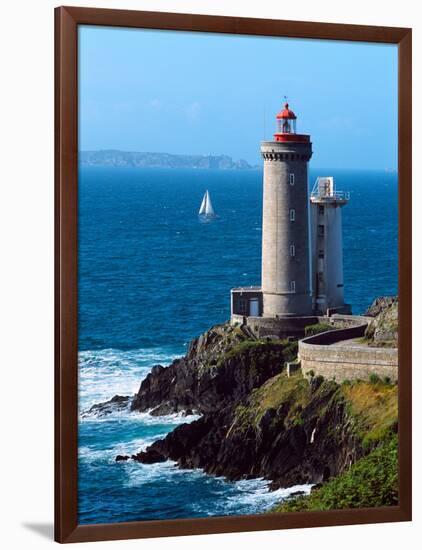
(374, 408)
(311, 330)
(286, 349)
(374, 378)
(371, 415)
(371, 481)
(278, 390)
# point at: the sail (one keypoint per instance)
(206, 208)
(209, 210)
(203, 207)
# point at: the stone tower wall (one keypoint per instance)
(279, 232)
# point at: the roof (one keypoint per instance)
(246, 289)
(286, 113)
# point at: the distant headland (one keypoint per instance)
(113, 157)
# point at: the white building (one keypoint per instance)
(327, 246)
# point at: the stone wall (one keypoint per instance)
(344, 321)
(272, 327)
(281, 327)
(317, 354)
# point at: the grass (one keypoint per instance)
(371, 481)
(311, 330)
(277, 390)
(374, 407)
(285, 348)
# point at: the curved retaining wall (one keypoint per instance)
(280, 327)
(346, 362)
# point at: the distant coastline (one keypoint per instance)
(112, 157)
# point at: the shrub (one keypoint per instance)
(371, 481)
(374, 378)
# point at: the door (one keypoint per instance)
(254, 307)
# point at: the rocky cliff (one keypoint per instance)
(382, 331)
(221, 367)
(255, 420)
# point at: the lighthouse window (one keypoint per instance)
(321, 230)
(321, 209)
(292, 179)
(292, 286)
(292, 214)
(292, 250)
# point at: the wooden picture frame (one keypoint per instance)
(67, 20)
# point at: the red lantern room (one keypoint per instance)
(286, 121)
(286, 127)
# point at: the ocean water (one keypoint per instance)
(152, 277)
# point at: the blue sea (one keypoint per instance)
(152, 276)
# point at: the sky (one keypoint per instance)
(202, 93)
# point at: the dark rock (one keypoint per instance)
(156, 369)
(115, 404)
(276, 448)
(380, 304)
(162, 409)
(316, 382)
(121, 458)
(210, 376)
(290, 442)
(150, 456)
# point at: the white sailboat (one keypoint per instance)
(206, 210)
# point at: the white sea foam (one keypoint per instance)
(138, 474)
(108, 372)
(249, 496)
(144, 418)
(255, 494)
(93, 454)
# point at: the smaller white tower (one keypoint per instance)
(327, 246)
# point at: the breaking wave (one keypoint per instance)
(108, 372)
(126, 491)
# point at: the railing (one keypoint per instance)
(336, 196)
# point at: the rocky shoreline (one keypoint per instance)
(255, 420)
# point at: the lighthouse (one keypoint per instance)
(302, 250)
(286, 262)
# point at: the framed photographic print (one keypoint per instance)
(233, 274)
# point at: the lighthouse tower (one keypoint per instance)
(286, 269)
